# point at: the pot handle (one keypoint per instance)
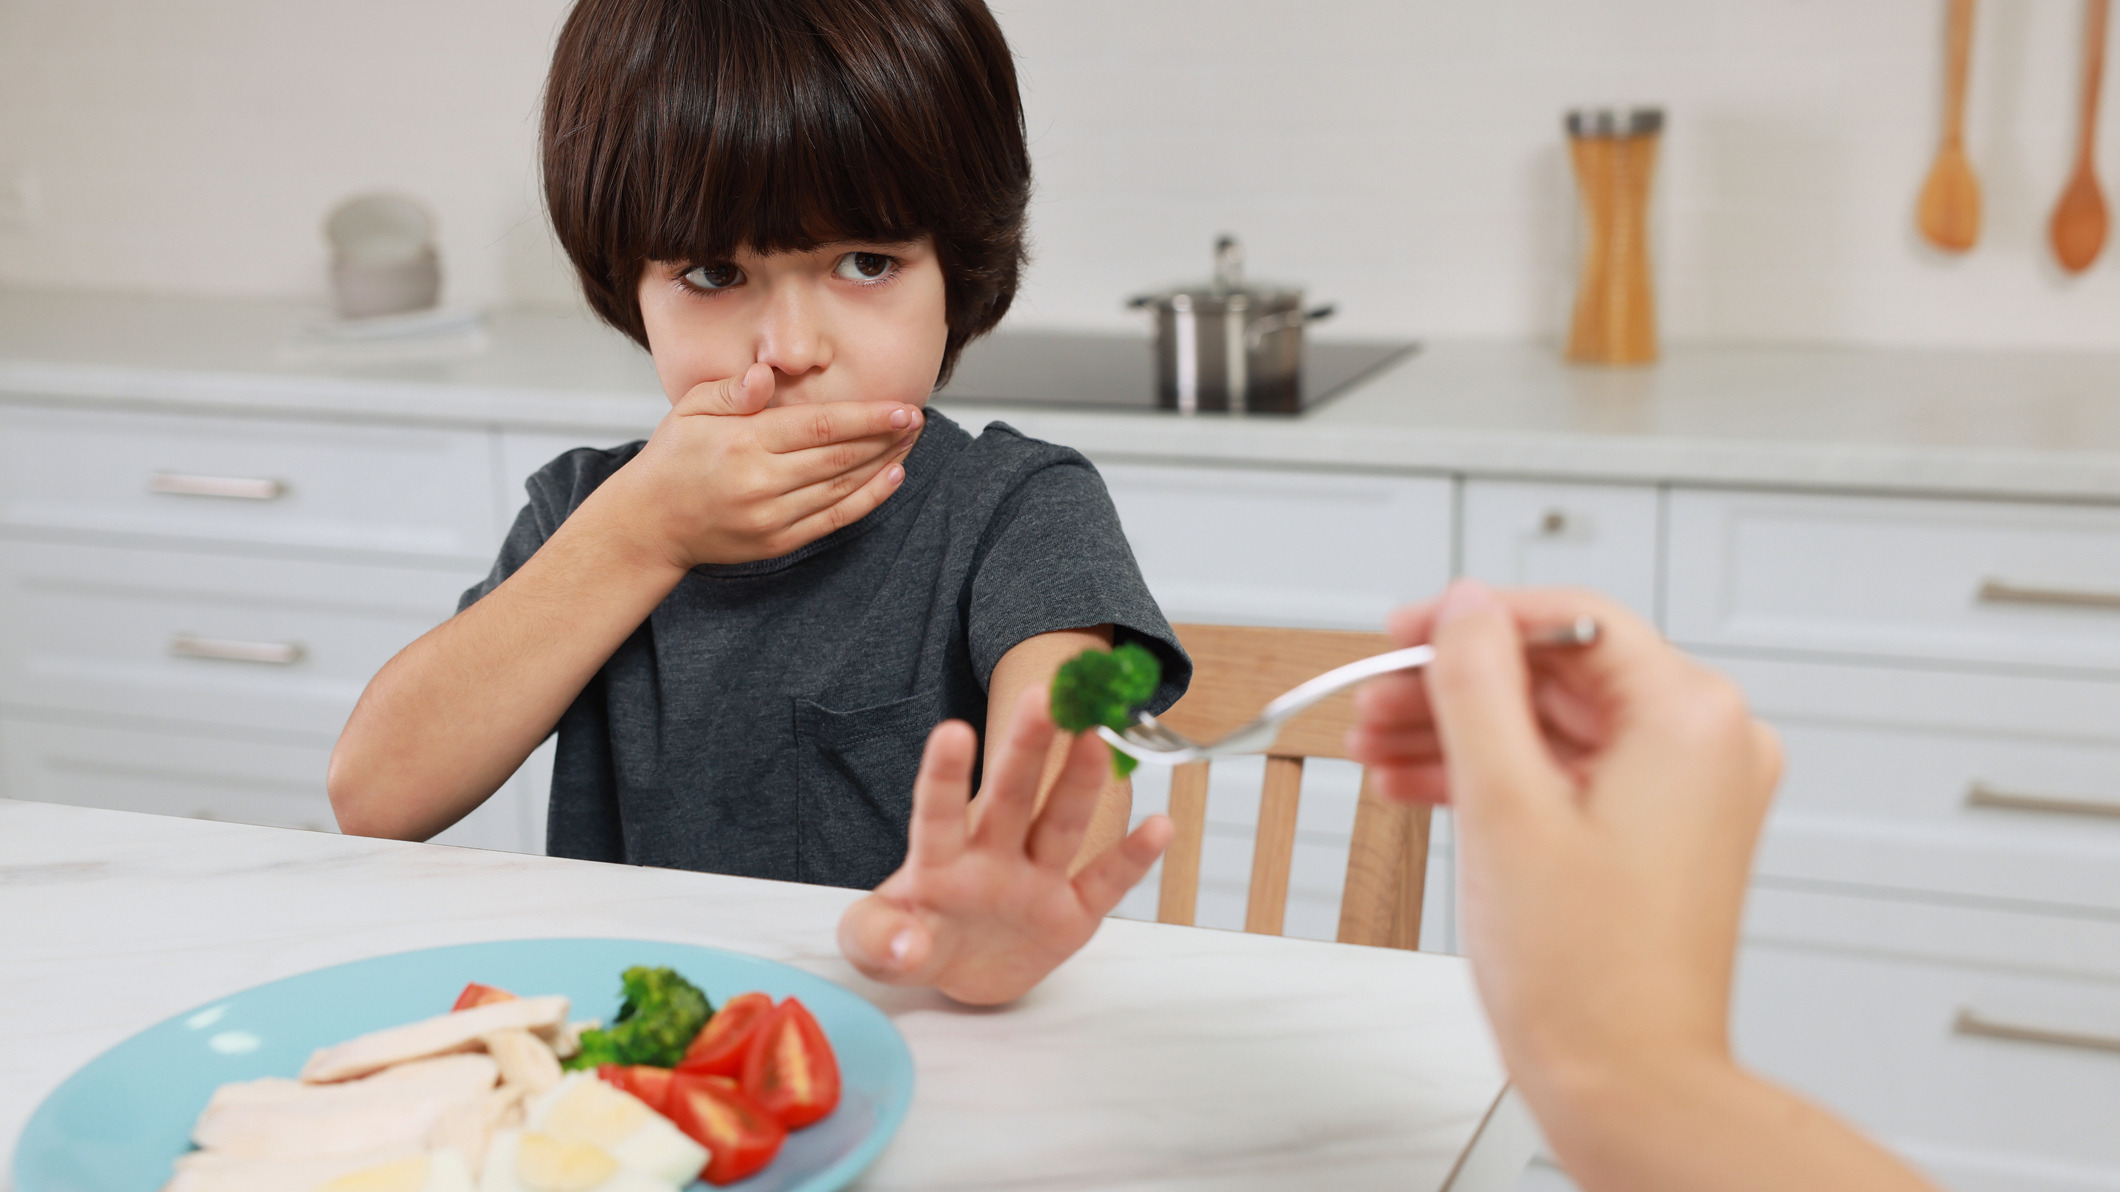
(1256, 334)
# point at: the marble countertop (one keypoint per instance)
(1160, 1057)
(1991, 423)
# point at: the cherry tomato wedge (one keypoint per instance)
(650, 1084)
(714, 1113)
(790, 1070)
(475, 995)
(720, 1046)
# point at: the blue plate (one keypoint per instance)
(116, 1125)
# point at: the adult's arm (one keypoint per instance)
(1607, 802)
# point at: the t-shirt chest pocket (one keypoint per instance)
(854, 776)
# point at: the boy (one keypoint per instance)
(742, 627)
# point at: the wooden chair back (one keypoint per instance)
(1236, 670)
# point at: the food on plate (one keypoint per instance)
(476, 995)
(661, 1013)
(395, 1109)
(458, 1030)
(719, 1048)
(442, 1171)
(741, 1136)
(476, 1100)
(1104, 687)
(790, 1070)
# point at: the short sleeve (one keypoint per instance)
(555, 490)
(1055, 558)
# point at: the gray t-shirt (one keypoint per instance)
(768, 718)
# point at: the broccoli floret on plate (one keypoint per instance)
(661, 1014)
(1104, 687)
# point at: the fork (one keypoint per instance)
(1149, 741)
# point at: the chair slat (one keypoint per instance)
(1179, 896)
(1274, 846)
(1380, 907)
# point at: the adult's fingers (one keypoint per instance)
(1057, 834)
(810, 425)
(1479, 686)
(888, 942)
(746, 393)
(941, 792)
(1104, 881)
(1011, 792)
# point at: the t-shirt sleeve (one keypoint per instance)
(554, 492)
(1055, 558)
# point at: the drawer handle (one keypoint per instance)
(1974, 1023)
(177, 484)
(1980, 794)
(1996, 591)
(184, 645)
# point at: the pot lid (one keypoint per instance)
(1227, 291)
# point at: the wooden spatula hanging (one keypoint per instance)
(1949, 214)
(2079, 223)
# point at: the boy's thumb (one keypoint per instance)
(1479, 687)
(746, 393)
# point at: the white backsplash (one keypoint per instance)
(1402, 158)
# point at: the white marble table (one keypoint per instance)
(1160, 1057)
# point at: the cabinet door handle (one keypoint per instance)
(1555, 522)
(1980, 794)
(186, 645)
(241, 488)
(2000, 591)
(1972, 1022)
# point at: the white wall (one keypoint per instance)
(1402, 158)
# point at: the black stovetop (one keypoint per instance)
(1095, 370)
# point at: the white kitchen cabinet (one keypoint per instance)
(1993, 1078)
(248, 482)
(1540, 534)
(1984, 582)
(1253, 546)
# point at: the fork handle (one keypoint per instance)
(1306, 693)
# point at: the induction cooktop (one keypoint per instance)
(1080, 369)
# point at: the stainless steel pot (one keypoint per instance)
(1228, 346)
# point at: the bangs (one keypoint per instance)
(686, 130)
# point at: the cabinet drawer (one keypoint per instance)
(1993, 786)
(278, 784)
(237, 480)
(1243, 546)
(1992, 582)
(1990, 1080)
(261, 643)
(1601, 536)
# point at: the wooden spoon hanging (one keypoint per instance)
(1949, 214)
(2079, 223)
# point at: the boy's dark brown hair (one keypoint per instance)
(682, 130)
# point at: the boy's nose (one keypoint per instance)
(790, 338)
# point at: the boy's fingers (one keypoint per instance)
(810, 425)
(818, 480)
(745, 393)
(887, 942)
(1057, 835)
(860, 503)
(1011, 792)
(941, 794)
(1479, 687)
(1104, 881)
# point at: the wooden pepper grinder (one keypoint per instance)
(1615, 311)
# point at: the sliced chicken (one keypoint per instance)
(468, 1128)
(211, 1171)
(458, 1031)
(396, 1109)
(568, 1043)
(525, 1060)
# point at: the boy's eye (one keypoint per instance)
(719, 275)
(864, 266)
